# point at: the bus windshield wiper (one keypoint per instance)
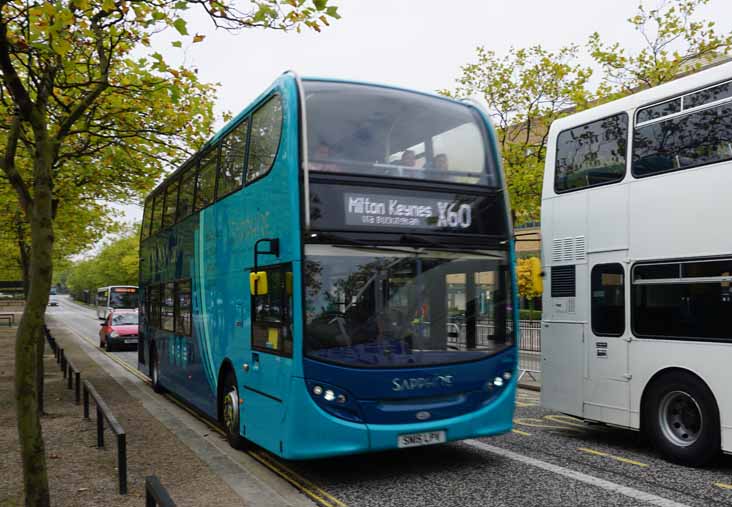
(360, 244)
(442, 246)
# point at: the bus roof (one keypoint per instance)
(262, 96)
(701, 79)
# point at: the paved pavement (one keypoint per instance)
(549, 459)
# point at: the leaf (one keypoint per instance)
(320, 4)
(198, 38)
(177, 44)
(180, 25)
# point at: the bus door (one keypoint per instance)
(607, 381)
(267, 376)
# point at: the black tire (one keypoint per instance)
(155, 371)
(230, 399)
(681, 417)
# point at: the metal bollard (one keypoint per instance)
(77, 387)
(86, 403)
(122, 463)
(100, 427)
(69, 378)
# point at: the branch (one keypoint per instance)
(10, 76)
(8, 165)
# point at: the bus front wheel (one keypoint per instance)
(230, 412)
(682, 419)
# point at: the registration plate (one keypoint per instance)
(417, 439)
(133, 340)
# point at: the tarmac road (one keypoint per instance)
(549, 459)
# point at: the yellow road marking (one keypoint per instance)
(272, 459)
(533, 422)
(611, 456)
(519, 432)
(523, 404)
(722, 485)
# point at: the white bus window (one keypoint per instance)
(694, 304)
(608, 300)
(591, 154)
(681, 142)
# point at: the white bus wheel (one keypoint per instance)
(682, 419)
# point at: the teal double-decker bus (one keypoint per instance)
(333, 273)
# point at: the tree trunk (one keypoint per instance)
(30, 333)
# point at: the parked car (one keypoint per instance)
(52, 298)
(119, 329)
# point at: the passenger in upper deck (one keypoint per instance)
(440, 162)
(409, 159)
(320, 157)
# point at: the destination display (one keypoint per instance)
(411, 212)
(341, 207)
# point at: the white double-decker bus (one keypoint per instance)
(637, 251)
(115, 297)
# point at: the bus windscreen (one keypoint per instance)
(376, 308)
(123, 297)
(377, 131)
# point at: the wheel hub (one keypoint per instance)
(680, 418)
(231, 411)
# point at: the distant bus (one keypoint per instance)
(333, 273)
(115, 297)
(636, 245)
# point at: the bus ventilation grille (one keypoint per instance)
(568, 249)
(563, 280)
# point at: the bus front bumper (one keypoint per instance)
(313, 433)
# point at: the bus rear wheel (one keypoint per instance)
(230, 412)
(682, 419)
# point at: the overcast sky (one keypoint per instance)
(418, 44)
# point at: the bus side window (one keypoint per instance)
(154, 314)
(182, 309)
(272, 313)
(206, 182)
(157, 212)
(185, 196)
(171, 201)
(146, 218)
(233, 160)
(265, 138)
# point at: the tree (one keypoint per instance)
(525, 90)
(675, 43)
(526, 276)
(78, 110)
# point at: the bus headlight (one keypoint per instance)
(335, 401)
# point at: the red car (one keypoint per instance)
(120, 328)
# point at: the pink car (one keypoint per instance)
(120, 328)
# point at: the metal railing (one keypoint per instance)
(156, 494)
(529, 334)
(103, 412)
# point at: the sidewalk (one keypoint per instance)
(194, 463)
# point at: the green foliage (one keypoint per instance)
(525, 90)
(116, 264)
(526, 286)
(674, 43)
